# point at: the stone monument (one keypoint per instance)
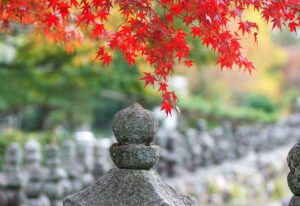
(56, 186)
(294, 174)
(100, 165)
(206, 142)
(34, 190)
(69, 164)
(134, 182)
(32, 154)
(14, 177)
(35, 176)
(85, 157)
(171, 155)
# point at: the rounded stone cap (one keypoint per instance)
(135, 125)
(134, 156)
(293, 158)
(13, 154)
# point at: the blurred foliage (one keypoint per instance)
(45, 86)
(49, 86)
(286, 38)
(259, 102)
(216, 111)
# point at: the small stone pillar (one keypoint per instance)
(32, 154)
(14, 178)
(34, 190)
(36, 175)
(133, 182)
(294, 174)
(100, 164)
(56, 185)
(69, 164)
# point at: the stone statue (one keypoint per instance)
(34, 190)
(14, 178)
(56, 185)
(3, 200)
(294, 174)
(206, 142)
(100, 165)
(69, 164)
(231, 148)
(85, 157)
(35, 176)
(171, 154)
(195, 149)
(134, 182)
(32, 153)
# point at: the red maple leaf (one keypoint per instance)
(247, 26)
(196, 31)
(163, 87)
(64, 9)
(188, 63)
(293, 26)
(51, 20)
(149, 79)
(167, 107)
(74, 3)
(97, 30)
(106, 59)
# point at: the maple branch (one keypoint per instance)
(178, 15)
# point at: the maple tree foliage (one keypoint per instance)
(145, 32)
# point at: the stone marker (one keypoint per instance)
(133, 183)
(171, 155)
(56, 185)
(14, 178)
(100, 164)
(36, 175)
(34, 190)
(294, 174)
(74, 170)
(32, 153)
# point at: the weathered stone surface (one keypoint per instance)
(295, 201)
(134, 156)
(135, 184)
(294, 165)
(294, 183)
(135, 125)
(123, 187)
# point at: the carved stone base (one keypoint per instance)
(125, 187)
(295, 201)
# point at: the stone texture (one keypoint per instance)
(136, 184)
(294, 165)
(123, 187)
(135, 125)
(295, 201)
(134, 156)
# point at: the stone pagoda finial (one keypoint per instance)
(134, 128)
(13, 176)
(294, 174)
(133, 182)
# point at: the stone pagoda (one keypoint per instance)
(134, 182)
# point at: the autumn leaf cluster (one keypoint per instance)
(146, 33)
